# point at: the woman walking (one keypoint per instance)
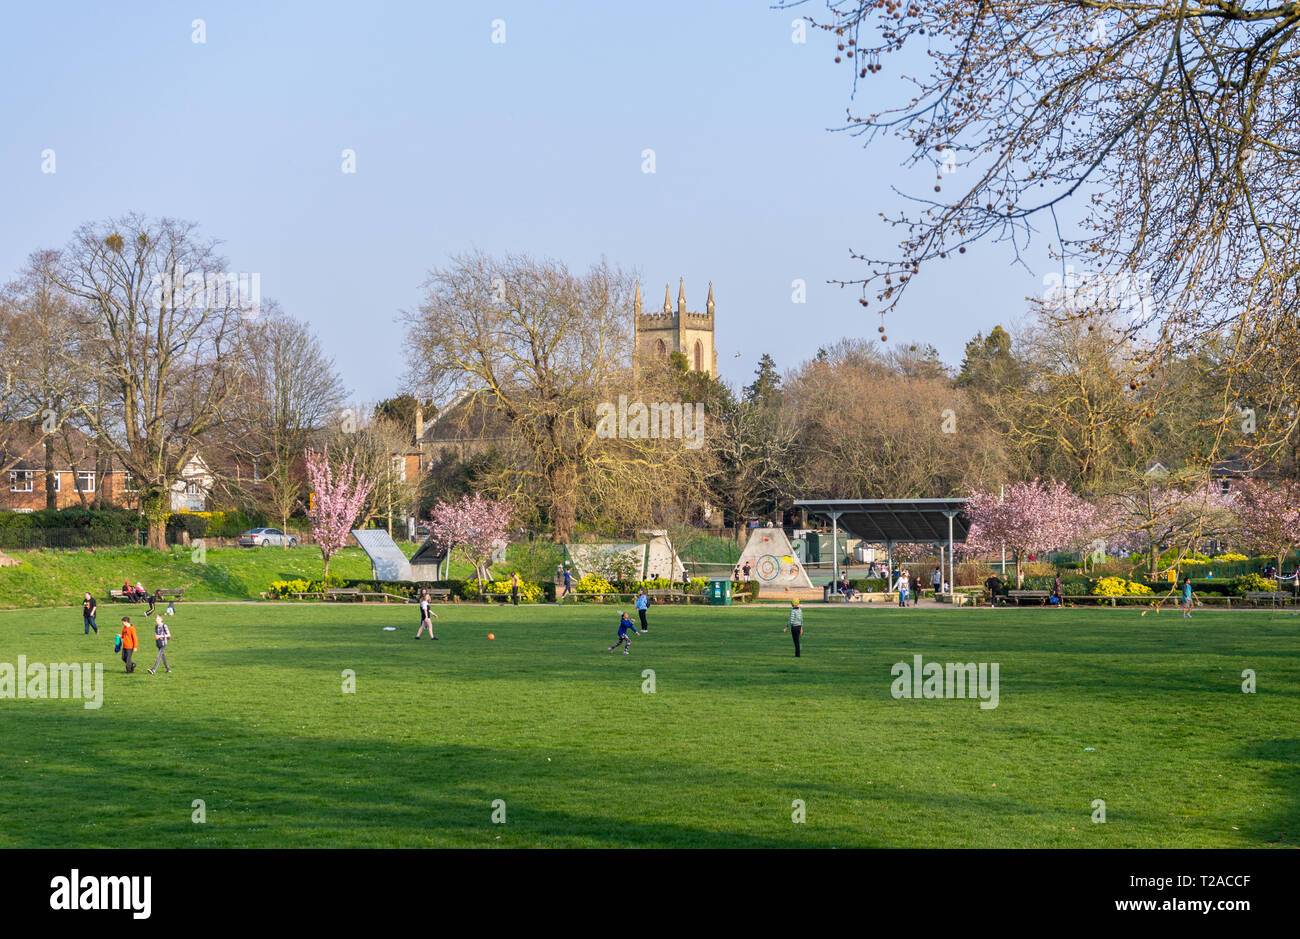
(160, 636)
(427, 616)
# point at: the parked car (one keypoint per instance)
(265, 537)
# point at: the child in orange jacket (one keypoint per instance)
(129, 643)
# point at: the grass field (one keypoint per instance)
(254, 722)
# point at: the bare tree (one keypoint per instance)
(165, 340)
(542, 347)
(291, 394)
(42, 351)
(1168, 129)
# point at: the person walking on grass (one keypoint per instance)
(160, 636)
(1188, 598)
(129, 643)
(427, 616)
(88, 609)
(642, 603)
(624, 627)
(568, 584)
(795, 625)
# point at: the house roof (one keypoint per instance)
(467, 419)
(22, 447)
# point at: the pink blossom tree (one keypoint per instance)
(340, 493)
(1028, 518)
(475, 524)
(1267, 517)
(1157, 513)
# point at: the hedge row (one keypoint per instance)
(69, 528)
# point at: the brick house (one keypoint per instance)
(80, 479)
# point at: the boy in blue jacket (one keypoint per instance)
(624, 626)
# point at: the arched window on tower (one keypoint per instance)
(661, 350)
(699, 356)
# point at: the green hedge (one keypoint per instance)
(69, 528)
(178, 522)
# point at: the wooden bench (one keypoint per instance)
(169, 594)
(1274, 596)
(439, 593)
(343, 593)
(669, 595)
(1039, 595)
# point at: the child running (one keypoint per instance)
(624, 626)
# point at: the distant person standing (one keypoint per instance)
(1188, 598)
(129, 643)
(744, 570)
(902, 588)
(936, 581)
(795, 625)
(161, 634)
(514, 588)
(568, 584)
(642, 603)
(1058, 591)
(88, 609)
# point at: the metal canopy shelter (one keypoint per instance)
(893, 521)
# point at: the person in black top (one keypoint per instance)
(88, 614)
(994, 587)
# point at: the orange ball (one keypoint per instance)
(490, 636)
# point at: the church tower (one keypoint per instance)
(658, 335)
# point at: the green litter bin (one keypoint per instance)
(720, 592)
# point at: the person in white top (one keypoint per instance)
(427, 616)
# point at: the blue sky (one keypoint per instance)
(532, 145)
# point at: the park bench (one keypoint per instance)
(168, 594)
(343, 593)
(1273, 596)
(669, 595)
(439, 593)
(1039, 595)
